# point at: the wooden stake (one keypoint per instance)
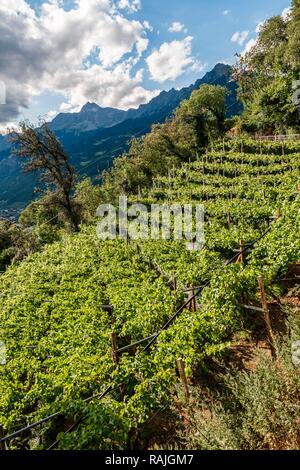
(3, 444)
(115, 358)
(114, 354)
(175, 282)
(271, 336)
(241, 258)
(183, 379)
(192, 304)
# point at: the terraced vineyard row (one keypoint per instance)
(59, 306)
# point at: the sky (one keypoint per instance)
(57, 55)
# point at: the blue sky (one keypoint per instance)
(117, 53)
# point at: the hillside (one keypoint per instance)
(59, 306)
(95, 136)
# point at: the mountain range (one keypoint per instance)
(95, 135)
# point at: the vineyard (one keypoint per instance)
(60, 307)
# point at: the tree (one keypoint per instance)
(15, 243)
(293, 49)
(197, 120)
(266, 74)
(43, 153)
(88, 197)
(204, 112)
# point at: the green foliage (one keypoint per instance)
(272, 108)
(253, 409)
(42, 153)
(195, 123)
(56, 327)
(266, 73)
(87, 197)
(293, 53)
(15, 243)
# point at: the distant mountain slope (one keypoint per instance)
(167, 101)
(92, 116)
(92, 152)
(89, 118)
(96, 135)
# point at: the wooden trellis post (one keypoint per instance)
(192, 304)
(266, 313)
(183, 379)
(114, 354)
(229, 219)
(241, 258)
(175, 282)
(2, 444)
(115, 358)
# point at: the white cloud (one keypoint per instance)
(259, 26)
(50, 115)
(240, 37)
(8, 127)
(52, 51)
(172, 59)
(131, 5)
(147, 25)
(226, 12)
(110, 88)
(286, 13)
(177, 27)
(250, 44)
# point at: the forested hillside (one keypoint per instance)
(95, 136)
